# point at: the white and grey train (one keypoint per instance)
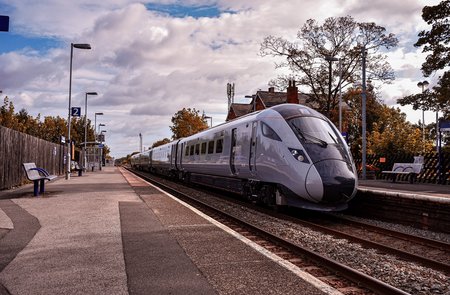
(287, 155)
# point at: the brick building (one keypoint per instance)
(266, 99)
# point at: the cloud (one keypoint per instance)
(146, 65)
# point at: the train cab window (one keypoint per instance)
(203, 149)
(219, 146)
(197, 149)
(211, 147)
(191, 152)
(269, 132)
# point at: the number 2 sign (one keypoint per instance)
(76, 112)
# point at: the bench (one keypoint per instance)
(78, 168)
(37, 175)
(411, 170)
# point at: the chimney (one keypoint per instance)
(272, 89)
(292, 93)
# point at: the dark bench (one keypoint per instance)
(78, 168)
(37, 175)
(411, 170)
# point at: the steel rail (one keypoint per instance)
(353, 275)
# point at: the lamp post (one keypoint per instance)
(100, 125)
(330, 60)
(363, 103)
(95, 125)
(85, 127)
(208, 117)
(101, 149)
(69, 145)
(423, 85)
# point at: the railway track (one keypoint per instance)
(344, 278)
(430, 253)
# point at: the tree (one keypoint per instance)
(187, 122)
(160, 142)
(437, 39)
(339, 37)
(391, 133)
(7, 115)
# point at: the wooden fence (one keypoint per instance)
(430, 172)
(17, 148)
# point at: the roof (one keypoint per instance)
(241, 109)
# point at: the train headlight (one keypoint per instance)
(299, 155)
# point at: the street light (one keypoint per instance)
(100, 125)
(330, 60)
(423, 85)
(69, 145)
(85, 127)
(101, 149)
(95, 125)
(208, 117)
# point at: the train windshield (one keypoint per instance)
(314, 130)
(320, 140)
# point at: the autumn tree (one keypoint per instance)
(393, 134)
(340, 37)
(7, 115)
(187, 122)
(160, 142)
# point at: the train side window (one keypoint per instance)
(211, 147)
(219, 146)
(187, 151)
(197, 149)
(203, 149)
(191, 150)
(269, 132)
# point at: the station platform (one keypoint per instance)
(108, 232)
(429, 191)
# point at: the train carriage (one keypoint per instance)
(286, 155)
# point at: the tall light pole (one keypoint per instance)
(423, 85)
(95, 125)
(100, 125)
(85, 128)
(69, 145)
(363, 103)
(330, 60)
(101, 149)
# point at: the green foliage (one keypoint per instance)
(187, 122)
(436, 41)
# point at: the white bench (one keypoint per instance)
(409, 169)
(37, 175)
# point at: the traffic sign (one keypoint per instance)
(76, 112)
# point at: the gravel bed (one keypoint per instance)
(443, 237)
(407, 276)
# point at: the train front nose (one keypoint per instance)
(337, 182)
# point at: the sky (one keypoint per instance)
(150, 59)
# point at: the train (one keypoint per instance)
(286, 155)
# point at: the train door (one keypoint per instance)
(180, 150)
(150, 160)
(174, 156)
(252, 155)
(233, 150)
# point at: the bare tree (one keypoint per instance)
(341, 38)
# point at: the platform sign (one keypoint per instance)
(76, 111)
(4, 23)
(444, 126)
